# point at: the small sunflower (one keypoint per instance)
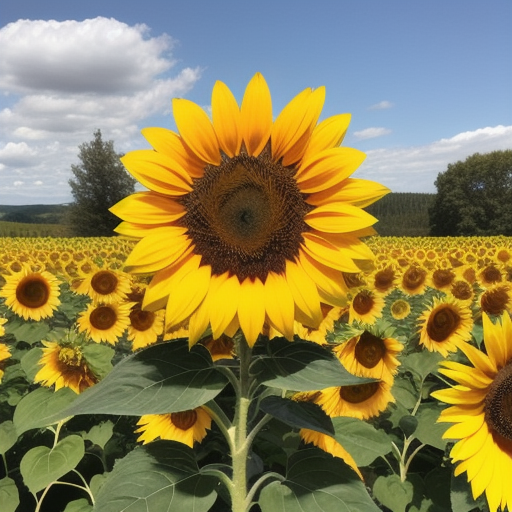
(31, 295)
(366, 306)
(384, 280)
(496, 299)
(185, 427)
(248, 221)
(481, 409)
(361, 401)
(318, 335)
(489, 276)
(400, 309)
(3, 321)
(414, 280)
(4, 354)
(221, 348)
(441, 279)
(105, 285)
(105, 322)
(330, 445)
(445, 325)
(462, 290)
(371, 356)
(64, 365)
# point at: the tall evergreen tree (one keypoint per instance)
(474, 197)
(100, 182)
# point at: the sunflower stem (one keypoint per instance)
(220, 418)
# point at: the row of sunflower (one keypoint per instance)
(68, 314)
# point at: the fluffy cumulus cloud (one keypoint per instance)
(415, 169)
(371, 133)
(60, 81)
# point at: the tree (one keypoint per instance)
(474, 197)
(100, 182)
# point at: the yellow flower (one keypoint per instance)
(400, 309)
(445, 325)
(3, 321)
(330, 445)
(414, 280)
(482, 413)
(384, 279)
(331, 314)
(221, 348)
(247, 220)
(441, 279)
(366, 306)
(367, 355)
(496, 299)
(105, 286)
(4, 354)
(31, 295)
(105, 322)
(462, 290)
(184, 427)
(64, 365)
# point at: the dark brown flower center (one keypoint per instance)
(363, 302)
(442, 278)
(246, 216)
(384, 279)
(491, 274)
(184, 419)
(104, 282)
(369, 350)
(498, 403)
(442, 323)
(413, 278)
(462, 290)
(358, 393)
(33, 291)
(495, 301)
(142, 320)
(103, 318)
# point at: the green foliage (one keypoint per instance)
(474, 197)
(100, 182)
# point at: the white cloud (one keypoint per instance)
(371, 133)
(61, 81)
(415, 169)
(382, 105)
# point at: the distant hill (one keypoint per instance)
(35, 213)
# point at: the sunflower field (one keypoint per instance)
(249, 343)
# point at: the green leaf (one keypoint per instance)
(30, 363)
(41, 465)
(301, 366)
(421, 364)
(317, 482)
(298, 414)
(404, 392)
(393, 493)
(437, 487)
(99, 358)
(363, 441)
(408, 424)
(461, 496)
(81, 505)
(160, 476)
(163, 378)
(28, 331)
(33, 409)
(429, 431)
(100, 434)
(8, 436)
(9, 496)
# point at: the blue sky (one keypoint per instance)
(427, 83)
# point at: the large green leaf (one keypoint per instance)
(361, 440)
(8, 436)
(28, 331)
(35, 409)
(317, 482)
(81, 505)
(301, 366)
(298, 414)
(162, 476)
(428, 430)
(41, 465)
(163, 378)
(420, 364)
(393, 493)
(9, 496)
(100, 434)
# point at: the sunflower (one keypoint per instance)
(361, 401)
(482, 412)
(400, 309)
(31, 295)
(489, 276)
(445, 325)
(330, 445)
(462, 290)
(221, 348)
(384, 279)
(441, 279)
(105, 285)
(366, 306)
(4, 354)
(105, 322)
(318, 335)
(371, 356)
(247, 221)
(64, 365)
(414, 280)
(184, 427)
(496, 299)
(3, 321)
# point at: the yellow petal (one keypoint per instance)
(196, 130)
(224, 305)
(338, 218)
(478, 358)
(326, 253)
(458, 413)
(251, 309)
(466, 379)
(256, 115)
(496, 343)
(279, 304)
(327, 134)
(148, 208)
(186, 295)
(132, 230)
(467, 447)
(157, 172)
(173, 146)
(296, 119)
(350, 246)
(327, 168)
(460, 395)
(354, 191)
(466, 428)
(304, 292)
(226, 119)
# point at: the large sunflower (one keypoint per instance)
(31, 295)
(184, 427)
(105, 322)
(247, 221)
(482, 412)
